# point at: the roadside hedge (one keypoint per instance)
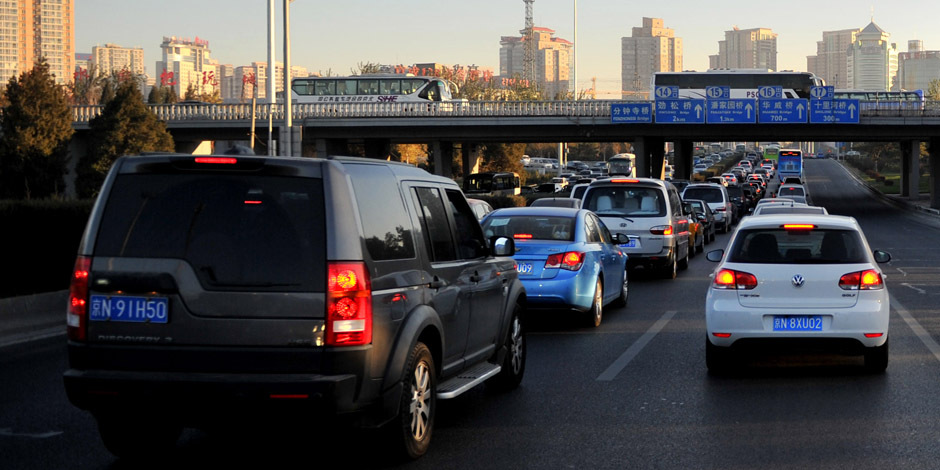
(40, 239)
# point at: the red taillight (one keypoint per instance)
(252, 202)
(798, 226)
(662, 230)
(862, 280)
(621, 180)
(729, 279)
(571, 261)
(77, 316)
(217, 160)
(349, 305)
(721, 335)
(523, 236)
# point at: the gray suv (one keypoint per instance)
(209, 289)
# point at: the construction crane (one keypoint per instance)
(528, 38)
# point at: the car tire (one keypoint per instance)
(513, 366)
(876, 358)
(624, 292)
(669, 271)
(414, 425)
(719, 360)
(133, 437)
(596, 313)
(701, 247)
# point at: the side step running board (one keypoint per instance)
(466, 380)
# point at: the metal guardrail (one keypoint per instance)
(453, 109)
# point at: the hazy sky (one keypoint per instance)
(338, 34)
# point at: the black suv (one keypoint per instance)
(214, 288)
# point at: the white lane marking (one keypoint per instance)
(915, 326)
(918, 290)
(32, 336)
(8, 432)
(635, 348)
(901, 271)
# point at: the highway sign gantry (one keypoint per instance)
(631, 113)
(680, 111)
(782, 111)
(736, 111)
(834, 112)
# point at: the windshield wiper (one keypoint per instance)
(614, 214)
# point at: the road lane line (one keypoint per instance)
(915, 326)
(636, 347)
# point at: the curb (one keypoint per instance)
(32, 317)
(894, 200)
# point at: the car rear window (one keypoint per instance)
(803, 246)
(237, 231)
(791, 191)
(712, 195)
(626, 200)
(524, 227)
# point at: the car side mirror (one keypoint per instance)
(881, 256)
(502, 246)
(715, 255)
(620, 239)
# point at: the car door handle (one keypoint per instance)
(476, 278)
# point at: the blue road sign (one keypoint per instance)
(770, 92)
(631, 112)
(833, 112)
(680, 111)
(718, 92)
(667, 92)
(736, 111)
(822, 92)
(782, 111)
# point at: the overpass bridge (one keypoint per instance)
(456, 126)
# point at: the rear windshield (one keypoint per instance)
(626, 200)
(791, 191)
(712, 195)
(237, 231)
(780, 246)
(530, 227)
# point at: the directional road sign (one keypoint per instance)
(667, 92)
(782, 111)
(833, 112)
(631, 112)
(821, 92)
(718, 92)
(770, 92)
(680, 111)
(736, 111)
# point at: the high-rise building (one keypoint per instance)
(746, 49)
(652, 48)
(831, 60)
(917, 67)
(554, 60)
(111, 58)
(186, 62)
(255, 75)
(32, 29)
(872, 61)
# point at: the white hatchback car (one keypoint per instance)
(801, 281)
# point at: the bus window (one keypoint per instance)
(325, 87)
(431, 92)
(368, 87)
(389, 87)
(409, 86)
(346, 87)
(302, 87)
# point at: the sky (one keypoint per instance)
(337, 35)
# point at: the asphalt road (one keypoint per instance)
(633, 393)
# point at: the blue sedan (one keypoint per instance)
(566, 258)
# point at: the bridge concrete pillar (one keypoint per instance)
(682, 160)
(443, 158)
(378, 148)
(331, 147)
(934, 159)
(642, 157)
(472, 158)
(650, 156)
(910, 168)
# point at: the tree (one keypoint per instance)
(37, 127)
(171, 96)
(366, 68)
(933, 90)
(191, 93)
(107, 92)
(125, 127)
(504, 157)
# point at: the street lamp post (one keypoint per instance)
(288, 115)
(270, 78)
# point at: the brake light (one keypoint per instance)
(524, 236)
(572, 261)
(730, 279)
(662, 230)
(798, 226)
(77, 316)
(217, 160)
(622, 180)
(349, 305)
(862, 280)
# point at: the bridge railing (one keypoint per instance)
(452, 109)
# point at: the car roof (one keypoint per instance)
(789, 209)
(819, 220)
(537, 210)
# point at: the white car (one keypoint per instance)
(797, 280)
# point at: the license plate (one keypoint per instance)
(633, 243)
(525, 268)
(798, 323)
(129, 309)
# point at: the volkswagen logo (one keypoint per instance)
(798, 281)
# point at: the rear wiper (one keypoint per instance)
(614, 214)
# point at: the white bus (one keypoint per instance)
(744, 83)
(622, 164)
(492, 184)
(384, 88)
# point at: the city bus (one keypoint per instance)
(622, 164)
(891, 100)
(492, 184)
(770, 152)
(744, 83)
(789, 163)
(378, 88)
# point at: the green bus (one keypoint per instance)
(770, 153)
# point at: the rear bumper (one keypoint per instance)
(575, 293)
